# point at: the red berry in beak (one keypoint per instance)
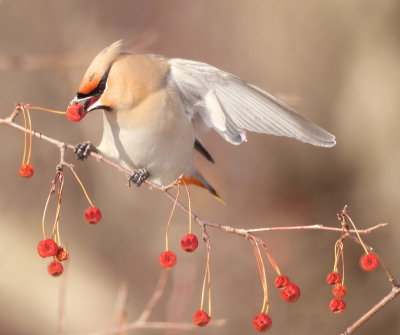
(333, 278)
(167, 259)
(201, 318)
(281, 281)
(262, 322)
(47, 248)
(369, 262)
(76, 112)
(337, 305)
(26, 171)
(290, 293)
(189, 243)
(55, 268)
(93, 215)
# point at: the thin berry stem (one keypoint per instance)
(30, 137)
(207, 274)
(56, 226)
(189, 206)
(25, 137)
(342, 257)
(261, 271)
(46, 109)
(345, 215)
(170, 218)
(44, 216)
(81, 184)
(270, 258)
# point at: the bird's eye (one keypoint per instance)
(100, 88)
(102, 85)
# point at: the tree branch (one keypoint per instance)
(388, 298)
(142, 322)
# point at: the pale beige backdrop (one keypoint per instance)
(336, 62)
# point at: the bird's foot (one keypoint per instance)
(138, 176)
(82, 150)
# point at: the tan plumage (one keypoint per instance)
(150, 104)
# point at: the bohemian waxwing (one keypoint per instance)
(152, 108)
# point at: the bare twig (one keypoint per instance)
(142, 323)
(365, 317)
(159, 290)
(121, 315)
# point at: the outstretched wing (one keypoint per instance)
(231, 106)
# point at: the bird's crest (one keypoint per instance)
(99, 67)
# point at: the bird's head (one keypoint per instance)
(94, 82)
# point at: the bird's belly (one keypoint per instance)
(166, 153)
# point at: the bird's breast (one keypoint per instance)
(156, 135)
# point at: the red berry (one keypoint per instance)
(339, 291)
(262, 322)
(369, 262)
(201, 318)
(167, 259)
(281, 281)
(93, 215)
(337, 305)
(76, 112)
(26, 171)
(55, 268)
(333, 278)
(189, 242)
(47, 248)
(62, 254)
(290, 293)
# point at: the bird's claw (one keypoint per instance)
(139, 176)
(82, 150)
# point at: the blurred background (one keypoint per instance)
(335, 62)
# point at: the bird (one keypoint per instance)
(154, 110)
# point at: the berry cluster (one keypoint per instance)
(49, 248)
(189, 243)
(52, 247)
(289, 291)
(368, 262)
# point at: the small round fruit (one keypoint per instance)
(26, 171)
(262, 322)
(369, 262)
(290, 293)
(337, 305)
(333, 278)
(201, 318)
(93, 215)
(281, 281)
(62, 254)
(76, 112)
(47, 248)
(189, 243)
(55, 269)
(339, 291)
(167, 259)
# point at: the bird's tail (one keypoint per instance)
(197, 179)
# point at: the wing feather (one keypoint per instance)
(232, 106)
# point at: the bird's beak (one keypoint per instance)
(89, 103)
